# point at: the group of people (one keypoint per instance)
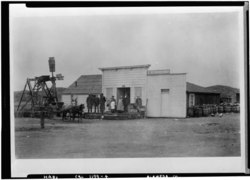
(120, 106)
(97, 102)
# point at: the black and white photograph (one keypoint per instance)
(157, 88)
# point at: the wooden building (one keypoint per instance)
(198, 95)
(166, 94)
(162, 93)
(125, 80)
(80, 89)
(227, 94)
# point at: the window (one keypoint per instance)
(109, 93)
(138, 92)
(191, 100)
(164, 91)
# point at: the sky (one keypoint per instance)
(206, 46)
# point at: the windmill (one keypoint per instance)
(40, 92)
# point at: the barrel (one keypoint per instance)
(205, 111)
(198, 112)
(228, 109)
(220, 109)
(233, 108)
(236, 109)
(215, 109)
(210, 109)
(190, 112)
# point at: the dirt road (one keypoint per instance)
(190, 137)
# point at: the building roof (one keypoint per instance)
(125, 67)
(158, 72)
(93, 84)
(198, 89)
(163, 73)
(86, 84)
(226, 91)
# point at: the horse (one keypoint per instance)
(77, 110)
(72, 111)
(66, 111)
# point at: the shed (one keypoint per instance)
(80, 89)
(198, 95)
(227, 94)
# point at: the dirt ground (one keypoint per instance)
(152, 137)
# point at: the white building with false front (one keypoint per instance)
(126, 80)
(163, 93)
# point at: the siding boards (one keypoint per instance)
(125, 77)
(201, 99)
(66, 99)
(134, 77)
(81, 99)
(177, 94)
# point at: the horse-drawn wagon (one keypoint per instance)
(72, 111)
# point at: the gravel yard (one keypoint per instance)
(152, 137)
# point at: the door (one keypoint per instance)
(165, 103)
(123, 92)
(191, 100)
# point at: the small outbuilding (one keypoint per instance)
(227, 94)
(198, 95)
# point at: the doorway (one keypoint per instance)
(123, 92)
(165, 103)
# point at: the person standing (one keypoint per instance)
(89, 103)
(102, 103)
(96, 103)
(138, 103)
(120, 105)
(112, 104)
(92, 102)
(126, 103)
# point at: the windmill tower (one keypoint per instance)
(40, 92)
